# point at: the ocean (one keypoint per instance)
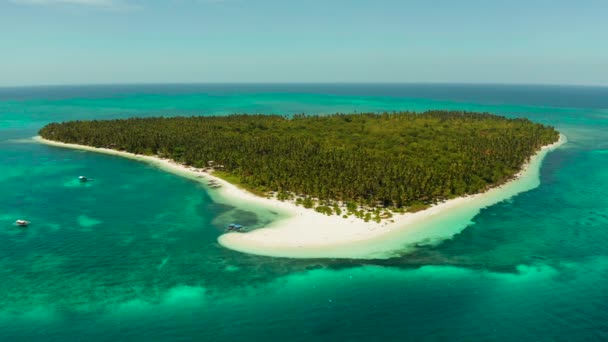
(133, 255)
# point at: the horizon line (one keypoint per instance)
(102, 84)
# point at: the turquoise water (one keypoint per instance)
(133, 254)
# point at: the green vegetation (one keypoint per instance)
(236, 180)
(368, 162)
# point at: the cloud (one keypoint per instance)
(100, 4)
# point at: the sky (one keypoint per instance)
(337, 41)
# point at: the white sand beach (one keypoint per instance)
(305, 233)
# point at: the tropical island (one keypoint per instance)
(374, 168)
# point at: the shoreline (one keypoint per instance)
(305, 233)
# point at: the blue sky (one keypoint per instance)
(154, 41)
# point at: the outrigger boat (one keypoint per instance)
(83, 179)
(234, 227)
(213, 184)
(22, 223)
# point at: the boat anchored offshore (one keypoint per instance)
(22, 223)
(83, 179)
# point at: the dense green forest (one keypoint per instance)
(397, 160)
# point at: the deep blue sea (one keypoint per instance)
(133, 256)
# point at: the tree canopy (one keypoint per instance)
(393, 160)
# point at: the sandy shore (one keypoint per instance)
(305, 233)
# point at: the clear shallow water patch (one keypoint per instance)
(87, 222)
(247, 219)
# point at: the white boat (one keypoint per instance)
(83, 179)
(22, 223)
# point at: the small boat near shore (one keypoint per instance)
(213, 184)
(22, 223)
(233, 227)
